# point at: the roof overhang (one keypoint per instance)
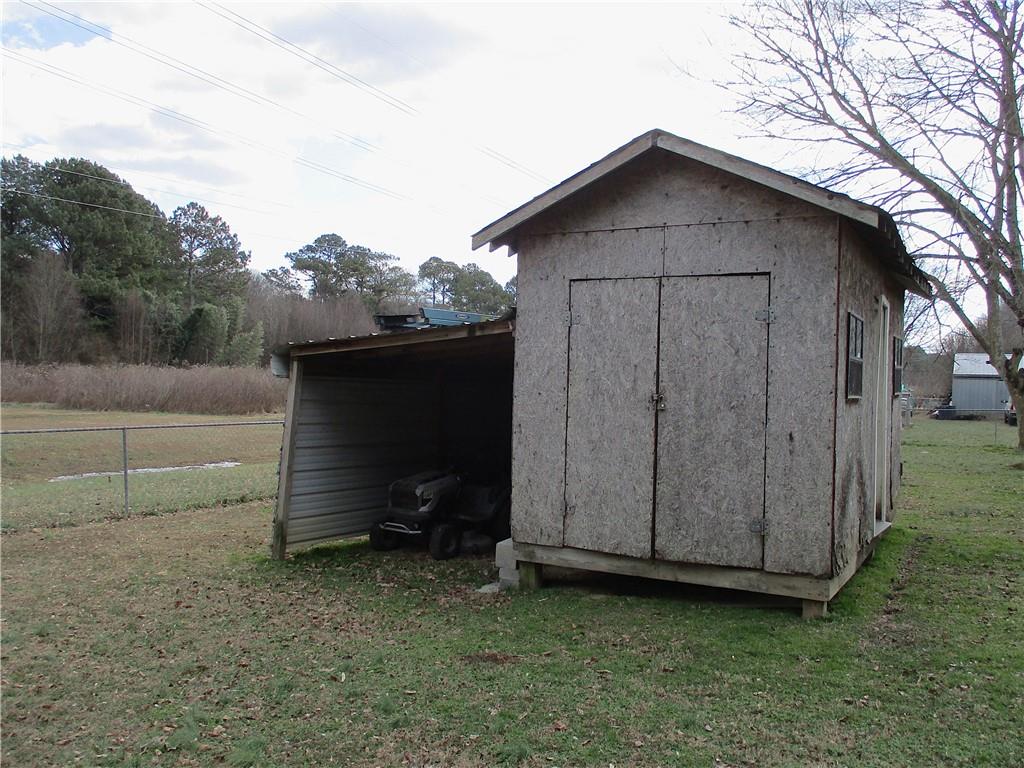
(868, 218)
(383, 341)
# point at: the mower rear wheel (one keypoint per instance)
(382, 540)
(444, 541)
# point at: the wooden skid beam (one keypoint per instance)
(803, 587)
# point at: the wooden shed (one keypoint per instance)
(706, 357)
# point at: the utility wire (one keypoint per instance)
(133, 171)
(181, 194)
(192, 71)
(133, 213)
(80, 202)
(295, 50)
(311, 58)
(121, 182)
(229, 87)
(196, 123)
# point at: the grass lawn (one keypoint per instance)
(27, 462)
(174, 640)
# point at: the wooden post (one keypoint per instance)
(814, 609)
(531, 575)
(284, 482)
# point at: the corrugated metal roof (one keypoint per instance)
(974, 364)
(504, 324)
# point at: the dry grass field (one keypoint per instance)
(174, 640)
(200, 389)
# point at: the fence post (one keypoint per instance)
(124, 456)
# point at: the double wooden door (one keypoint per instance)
(666, 418)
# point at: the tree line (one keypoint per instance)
(93, 271)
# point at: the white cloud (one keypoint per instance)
(552, 86)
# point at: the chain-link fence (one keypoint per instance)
(77, 474)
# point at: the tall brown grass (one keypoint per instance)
(202, 389)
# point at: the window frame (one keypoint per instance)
(897, 365)
(855, 326)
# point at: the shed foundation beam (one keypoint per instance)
(814, 609)
(531, 575)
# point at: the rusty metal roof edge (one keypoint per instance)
(504, 324)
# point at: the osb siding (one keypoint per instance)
(716, 224)
(801, 256)
(542, 327)
(711, 435)
(612, 372)
(861, 279)
(661, 188)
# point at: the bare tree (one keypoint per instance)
(917, 105)
(50, 310)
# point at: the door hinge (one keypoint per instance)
(568, 317)
(759, 525)
(658, 401)
(765, 315)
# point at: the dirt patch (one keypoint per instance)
(889, 627)
(1018, 465)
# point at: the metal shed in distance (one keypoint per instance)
(977, 387)
(706, 354)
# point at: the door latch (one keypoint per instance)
(658, 401)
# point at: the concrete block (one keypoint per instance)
(505, 559)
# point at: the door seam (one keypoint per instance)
(565, 438)
(655, 401)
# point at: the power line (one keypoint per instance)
(182, 66)
(190, 182)
(80, 202)
(232, 88)
(59, 169)
(488, 151)
(311, 58)
(196, 123)
(255, 97)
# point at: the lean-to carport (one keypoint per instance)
(363, 412)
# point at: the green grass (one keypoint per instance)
(73, 502)
(27, 462)
(40, 457)
(174, 640)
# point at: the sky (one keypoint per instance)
(404, 128)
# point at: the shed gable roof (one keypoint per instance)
(975, 364)
(870, 220)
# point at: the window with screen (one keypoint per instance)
(854, 357)
(897, 366)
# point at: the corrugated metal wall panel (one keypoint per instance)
(355, 436)
(979, 394)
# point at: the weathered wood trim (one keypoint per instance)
(750, 580)
(768, 177)
(531, 575)
(493, 232)
(497, 232)
(838, 378)
(284, 481)
(813, 609)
